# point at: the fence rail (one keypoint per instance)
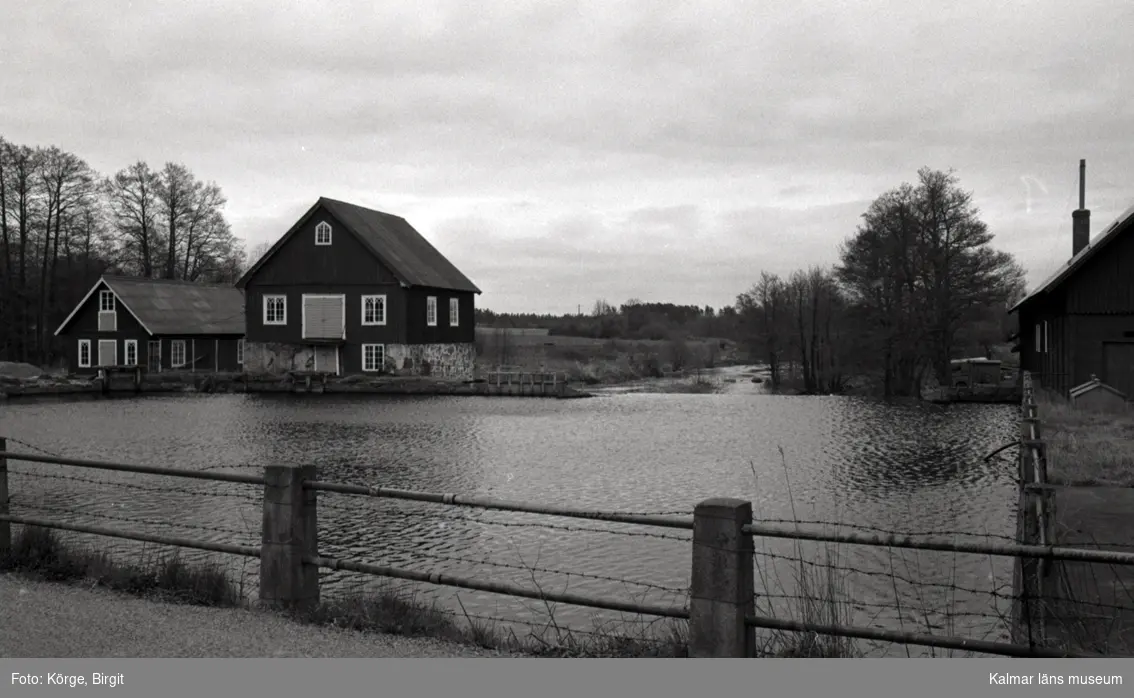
(721, 610)
(1035, 523)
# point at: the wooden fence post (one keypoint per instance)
(5, 527)
(722, 592)
(290, 532)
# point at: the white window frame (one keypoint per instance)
(173, 344)
(128, 345)
(382, 356)
(379, 298)
(323, 228)
(268, 298)
(103, 305)
(431, 311)
(454, 312)
(240, 351)
(84, 344)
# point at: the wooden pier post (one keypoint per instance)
(290, 532)
(722, 593)
(5, 527)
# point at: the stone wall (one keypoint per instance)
(441, 360)
(277, 358)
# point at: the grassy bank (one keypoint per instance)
(1085, 447)
(42, 554)
(603, 361)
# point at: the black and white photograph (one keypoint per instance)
(566, 329)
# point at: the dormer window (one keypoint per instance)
(323, 233)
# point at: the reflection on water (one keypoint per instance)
(908, 468)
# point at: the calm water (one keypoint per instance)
(906, 468)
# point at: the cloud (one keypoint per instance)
(662, 152)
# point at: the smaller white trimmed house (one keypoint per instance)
(161, 324)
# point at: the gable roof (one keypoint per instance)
(169, 307)
(1111, 233)
(391, 239)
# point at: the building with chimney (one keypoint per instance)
(1079, 323)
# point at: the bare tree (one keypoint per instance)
(133, 199)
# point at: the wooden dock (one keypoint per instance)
(524, 383)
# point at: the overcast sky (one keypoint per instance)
(560, 152)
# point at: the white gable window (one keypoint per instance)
(323, 233)
(374, 310)
(107, 318)
(373, 357)
(431, 311)
(454, 312)
(177, 353)
(84, 353)
(275, 310)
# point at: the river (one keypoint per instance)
(866, 464)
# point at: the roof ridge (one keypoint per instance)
(182, 282)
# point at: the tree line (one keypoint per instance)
(634, 319)
(917, 284)
(62, 225)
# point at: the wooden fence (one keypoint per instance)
(721, 612)
(1032, 578)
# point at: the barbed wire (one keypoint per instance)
(33, 447)
(133, 486)
(887, 531)
(512, 524)
(546, 570)
(128, 519)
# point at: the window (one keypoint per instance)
(275, 310)
(107, 318)
(323, 233)
(131, 352)
(177, 353)
(373, 357)
(1039, 338)
(84, 353)
(454, 312)
(240, 351)
(431, 311)
(373, 310)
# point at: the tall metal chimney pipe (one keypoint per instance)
(1081, 219)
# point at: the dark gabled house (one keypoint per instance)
(161, 324)
(351, 290)
(1079, 323)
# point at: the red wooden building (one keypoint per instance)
(350, 290)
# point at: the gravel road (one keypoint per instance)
(39, 619)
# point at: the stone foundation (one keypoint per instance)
(277, 358)
(441, 360)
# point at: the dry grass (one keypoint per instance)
(39, 552)
(1084, 447)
